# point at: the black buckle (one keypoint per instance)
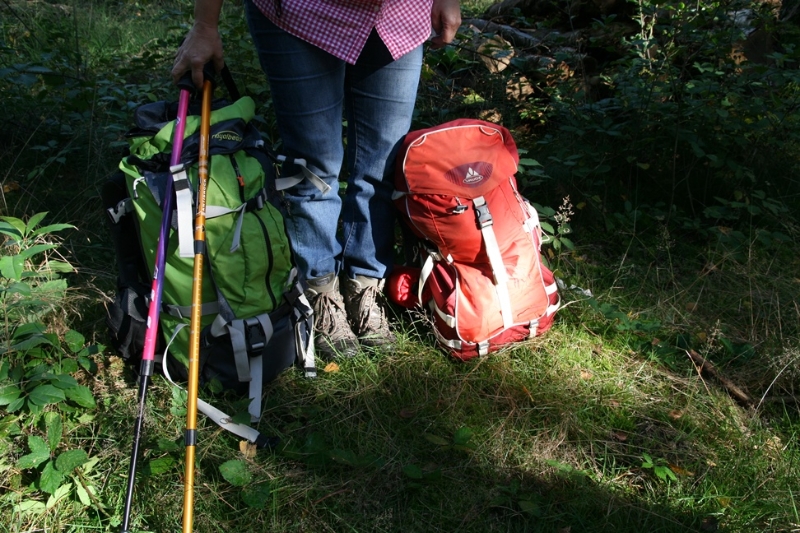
(483, 216)
(254, 335)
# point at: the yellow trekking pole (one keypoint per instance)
(197, 304)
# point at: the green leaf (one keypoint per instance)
(9, 393)
(462, 436)
(235, 472)
(60, 493)
(242, 417)
(439, 441)
(9, 426)
(83, 495)
(87, 364)
(64, 381)
(178, 408)
(166, 445)
(30, 507)
(31, 342)
(32, 328)
(257, 495)
(23, 289)
(59, 266)
(55, 429)
(68, 366)
(568, 243)
(530, 507)
(89, 465)
(16, 405)
(51, 478)
(12, 226)
(82, 396)
(564, 467)
(74, 340)
(29, 252)
(45, 395)
(413, 471)
(34, 221)
(344, 457)
(160, 465)
(70, 460)
(52, 229)
(11, 266)
(39, 453)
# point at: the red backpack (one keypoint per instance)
(482, 278)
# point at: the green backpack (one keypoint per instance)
(256, 321)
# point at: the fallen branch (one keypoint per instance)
(706, 366)
(514, 36)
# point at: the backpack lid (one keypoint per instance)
(464, 158)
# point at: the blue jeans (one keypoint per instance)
(310, 91)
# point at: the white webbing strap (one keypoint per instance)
(495, 259)
(532, 328)
(256, 387)
(223, 420)
(532, 222)
(448, 319)
(427, 268)
(455, 344)
(550, 289)
(255, 372)
(282, 184)
(183, 203)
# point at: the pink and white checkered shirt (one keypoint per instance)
(341, 27)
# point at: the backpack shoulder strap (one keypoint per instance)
(485, 223)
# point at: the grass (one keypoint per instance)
(604, 424)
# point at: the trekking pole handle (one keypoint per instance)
(185, 83)
(210, 74)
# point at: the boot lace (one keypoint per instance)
(370, 318)
(330, 315)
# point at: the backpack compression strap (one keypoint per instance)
(220, 418)
(303, 326)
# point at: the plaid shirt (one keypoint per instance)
(341, 27)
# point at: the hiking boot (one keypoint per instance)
(332, 334)
(366, 309)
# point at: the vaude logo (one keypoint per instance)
(227, 135)
(472, 177)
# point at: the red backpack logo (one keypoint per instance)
(482, 276)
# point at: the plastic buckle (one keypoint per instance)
(483, 215)
(254, 334)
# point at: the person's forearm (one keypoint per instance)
(207, 12)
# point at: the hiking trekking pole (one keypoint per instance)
(156, 288)
(197, 304)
